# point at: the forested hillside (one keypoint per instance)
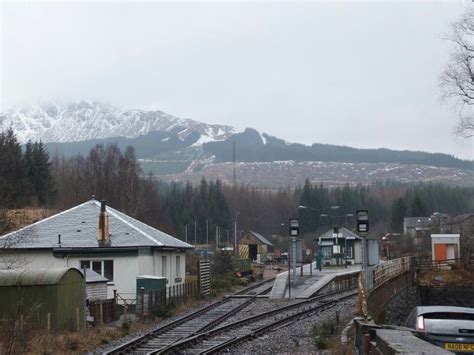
(251, 148)
(30, 177)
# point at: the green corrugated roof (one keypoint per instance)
(31, 277)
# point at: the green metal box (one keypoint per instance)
(150, 283)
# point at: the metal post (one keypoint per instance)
(345, 252)
(235, 237)
(207, 239)
(345, 244)
(293, 242)
(289, 278)
(142, 298)
(195, 233)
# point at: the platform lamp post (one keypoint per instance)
(304, 207)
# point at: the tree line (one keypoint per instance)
(29, 176)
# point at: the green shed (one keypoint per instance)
(150, 283)
(42, 296)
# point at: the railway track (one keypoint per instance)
(224, 337)
(193, 323)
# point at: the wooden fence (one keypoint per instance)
(150, 300)
(390, 269)
(103, 311)
(448, 264)
(204, 276)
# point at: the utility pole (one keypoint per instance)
(236, 251)
(195, 232)
(207, 238)
(186, 232)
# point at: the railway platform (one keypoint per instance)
(310, 283)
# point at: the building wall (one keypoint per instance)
(96, 291)
(126, 268)
(63, 301)
(170, 266)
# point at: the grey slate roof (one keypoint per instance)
(78, 227)
(261, 238)
(93, 277)
(346, 233)
(418, 222)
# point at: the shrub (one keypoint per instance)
(165, 311)
(322, 331)
(72, 344)
(126, 327)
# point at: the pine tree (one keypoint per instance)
(38, 171)
(398, 212)
(418, 208)
(12, 172)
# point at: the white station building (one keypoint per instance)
(97, 237)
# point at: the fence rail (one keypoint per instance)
(103, 311)
(447, 264)
(145, 302)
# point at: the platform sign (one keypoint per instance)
(294, 225)
(362, 217)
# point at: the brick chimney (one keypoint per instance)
(103, 237)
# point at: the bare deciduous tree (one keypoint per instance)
(457, 80)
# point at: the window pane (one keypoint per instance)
(163, 266)
(85, 264)
(109, 269)
(97, 267)
(178, 266)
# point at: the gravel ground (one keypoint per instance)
(160, 324)
(295, 338)
(259, 305)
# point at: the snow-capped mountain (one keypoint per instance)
(80, 121)
(75, 128)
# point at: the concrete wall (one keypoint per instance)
(387, 297)
(453, 296)
(398, 308)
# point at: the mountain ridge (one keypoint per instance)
(76, 127)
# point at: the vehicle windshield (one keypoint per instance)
(449, 315)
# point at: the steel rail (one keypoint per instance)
(177, 346)
(138, 341)
(265, 328)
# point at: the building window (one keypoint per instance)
(178, 266)
(163, 266)
(350, 252)
(102, 267)
(327, 252)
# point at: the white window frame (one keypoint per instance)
(349, 252)
(102, 266)
(177, 271)
(164, 266)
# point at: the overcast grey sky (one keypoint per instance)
(357, 74)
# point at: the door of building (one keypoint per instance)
(450, 253)
(253, 251)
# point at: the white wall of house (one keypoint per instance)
(126, 268)
(165, 265)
